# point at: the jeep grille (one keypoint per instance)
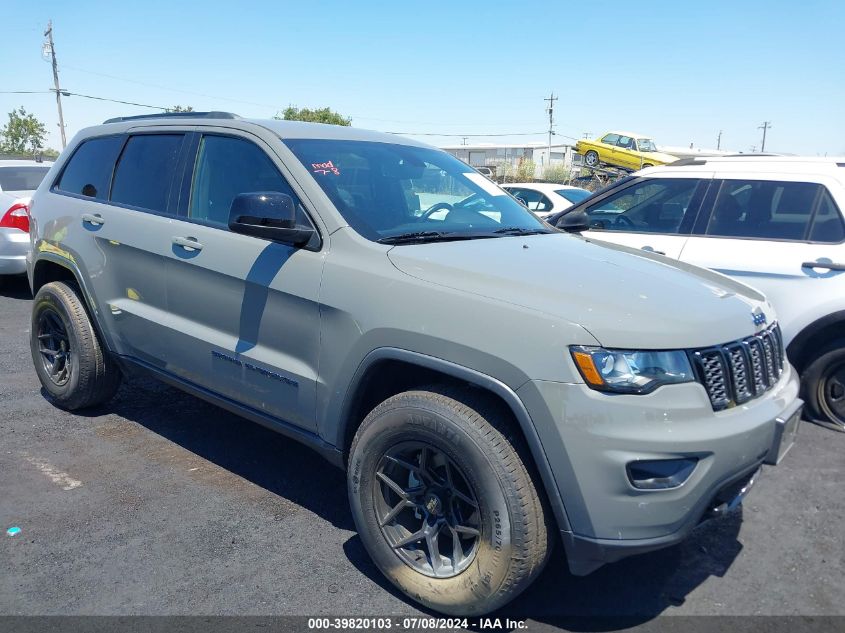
(741, 370)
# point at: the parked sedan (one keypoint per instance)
(18, 180)
(545, 198)
(622, 149)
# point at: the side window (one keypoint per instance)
(610, 139)
(89, 170)
(827, 224)
(535, 200)
(651, 206)
(145, 171)
(625, 142)
(227, 166)
(763, 209)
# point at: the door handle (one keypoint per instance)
(188, 243)
(651, 250)
(828, 265)
(93, 218)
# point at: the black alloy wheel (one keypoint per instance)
(427, 511)
(54, 347)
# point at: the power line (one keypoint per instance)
(25, 92)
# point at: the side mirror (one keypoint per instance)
(574, 222)
(267, 214)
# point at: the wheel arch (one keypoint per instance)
(387, 371)
(801, 349)
(48, 268)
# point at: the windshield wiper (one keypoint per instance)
(516, 230)
(421, 236)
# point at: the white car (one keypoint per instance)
(545, 198)
(18, 180)
(774, 222)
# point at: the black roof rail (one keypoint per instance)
(174, 115)
(687, 161)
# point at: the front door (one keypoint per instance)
(653, 215)
(245, 308)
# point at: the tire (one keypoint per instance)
(79, 373)
(511, 544)
(591, 158)
(823, 384)
(646, 165)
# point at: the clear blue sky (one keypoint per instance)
(679, 70)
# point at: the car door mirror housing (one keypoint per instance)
(270, 215)
(574, 222)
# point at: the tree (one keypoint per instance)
(322, 115)
(179, 108)
(24, 134)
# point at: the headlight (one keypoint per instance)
(627, 371)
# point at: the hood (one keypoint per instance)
(624, 297)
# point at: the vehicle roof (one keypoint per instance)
(622, 133)
(283, 129)
(545, 186)
(754, 163)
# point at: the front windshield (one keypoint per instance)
(646, 145)
(390, 193)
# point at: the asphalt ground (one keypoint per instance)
(161, 504)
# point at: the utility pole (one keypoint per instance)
(719, 140)
(587, 134)
(765, 126)
(463, 140)
(49, 35)
(551, 110)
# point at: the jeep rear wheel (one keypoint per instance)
(824, 384)
(74, 369)
(443, 502)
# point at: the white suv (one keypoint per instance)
(773, 222)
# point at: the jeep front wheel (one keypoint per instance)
(74, 369)
(443, 502)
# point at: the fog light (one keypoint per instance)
(660, 474)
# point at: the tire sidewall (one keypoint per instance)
(46, 299)
(818, 369)
(471, 590)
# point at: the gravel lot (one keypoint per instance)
(162, 504)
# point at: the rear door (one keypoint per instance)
(244, 309)
(654, 214)
(784, 236)
(118, 194)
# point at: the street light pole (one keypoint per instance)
(49, 35)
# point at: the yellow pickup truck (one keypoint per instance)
(622, 149)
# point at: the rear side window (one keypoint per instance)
(89, 170)
(534, 200)
(763, 209)
(146, 169)
(227, 166)
(610, 139)
(827, 223)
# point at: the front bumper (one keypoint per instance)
(14, 246)
(590, 438)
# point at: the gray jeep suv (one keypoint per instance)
(381, 302)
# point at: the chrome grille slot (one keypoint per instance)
(741, 370)
(740, 374)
